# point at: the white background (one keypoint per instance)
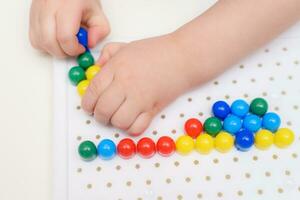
(25, 107)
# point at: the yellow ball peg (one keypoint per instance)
(92, 71)
(204, 143)
(224, 142)
(284, 137)
(82, 86)
(185, 144)
(264, 139)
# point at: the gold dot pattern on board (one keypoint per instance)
(271, 78)
(289, 123)
(240, 193)
(242, 66)
(246, 95)
(188, 179)
(157, 165)
(276, 108)
(98, 169)
(294, 155)
(116, 135)
(227, 176)
(139, 198)
(248, 175)
(199, 196)
(79, 170)
(181, 115)
(154, 132)
(283, 92)
(267, 50)
(274, 156)
(179, 197)
(163, 116)
(207, 178)
(196, 162)
(109, 185)
(216, 83)
(260, 191)
(79, 138)
(98, 137)
(267, 174)
(299, 188)
(220, 194)
(280, 190)
(173, 131)
(290, 77)
(118, 167)
(78, 107)
(148, 182)
(227, 96)
(287, 173)
(296, 62)
(159, 198)
(264, 94)
(278, 63)
(284, 49)
(200, 114)
(168, 180)
(88, 122)
(137, 166)
(190, 99)
(296, 107)
(234, 81)
(252, 80)
(208, 98)
(128, 183)
(176, 163)
(235, 159)
(89, 186)
(216, 160)
(255, 158)
(259, 65)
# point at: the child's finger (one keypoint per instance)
(68, 21)
(98, 27)
(34, 33)
(49, 39)
(108, 51)
(98, 84)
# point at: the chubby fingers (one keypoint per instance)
(67, 28)
(108, 51)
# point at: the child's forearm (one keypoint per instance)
(232, 29)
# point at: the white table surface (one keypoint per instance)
(26, 109)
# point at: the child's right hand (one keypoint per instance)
(55, 23)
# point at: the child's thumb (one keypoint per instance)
(98, 27)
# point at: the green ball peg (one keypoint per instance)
(85, 60)
(212, 126)
(259, 106)
(87, 150)
(76, 74)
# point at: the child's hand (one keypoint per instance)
(136, 82)
(55, 23)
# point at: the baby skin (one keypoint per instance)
(140, 78)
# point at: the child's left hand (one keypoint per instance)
(137, 80)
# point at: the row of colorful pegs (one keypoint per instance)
(185, 144)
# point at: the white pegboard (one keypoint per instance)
(273, 72)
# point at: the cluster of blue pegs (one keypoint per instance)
(243, 120)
